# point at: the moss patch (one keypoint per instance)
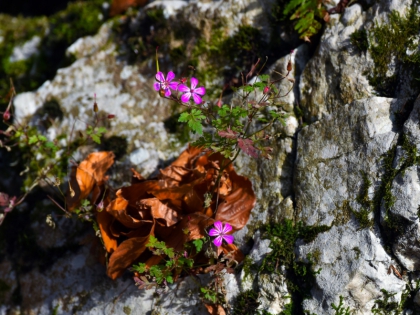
(395, 42)
(360, 40)
(246, 303)
(59, 31)
(300, 273)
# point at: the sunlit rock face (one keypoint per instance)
(343, 159)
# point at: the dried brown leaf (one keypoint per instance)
(127, 252)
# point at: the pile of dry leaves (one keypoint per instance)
(171, 207)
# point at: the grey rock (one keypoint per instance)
(352, 264)
(332, 152)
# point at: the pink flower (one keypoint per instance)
(220, 231)
(194, 91)
(165, 84)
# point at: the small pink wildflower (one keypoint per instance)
(165, 84)
(266, 90)
(194, 91)
(12, 202)
(220, 231)
(6, 115)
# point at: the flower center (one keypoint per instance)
(165, 85)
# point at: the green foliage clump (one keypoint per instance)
(339, 309)
(308, 14)
(395, 42)
(363, 215)
(246, 303)
(386, 306)
(360, 39)
(300, 274)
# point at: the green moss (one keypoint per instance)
(316, 255)
(343, 214)
(363, 218)
(340, 309)
(127, 310)
(246, 303)
(357, 251)
(360, 39)
(55, 310)
(386, 306)
(300, 273)
(390, 43)
(249, 267)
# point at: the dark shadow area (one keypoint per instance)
(30, 8)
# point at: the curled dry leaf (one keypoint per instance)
(90, 174)
(215, 309)
(169, 207)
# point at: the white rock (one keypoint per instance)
(25, 51)
(352, 264)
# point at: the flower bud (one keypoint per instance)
(110, 116)
(95, 107)
(100, 206)
(6, 115)
(266, 90)
(289, 66)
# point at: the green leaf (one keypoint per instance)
(51, 145)
(33, 139)
(101, 130)
(152, 241)
(184, 117)
(198, 244)
(193, 119)
(96, 138)
(264, 77)
(140, 268)
(42, 138)
(248, 88)
(169, 279)
(169, 252)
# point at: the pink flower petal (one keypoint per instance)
(186, 97)
(167, 92)
(194, 83)
(156, 86)
(214, 232)
(218, 241)
(200, 90)
(160, 77)
(173, 85)
(228, 238)
(227, 228)
(183, 88)
(170, 76)
(219, 226)
(197, 99)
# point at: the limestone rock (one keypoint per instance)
(353, 264)
(332, 153)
